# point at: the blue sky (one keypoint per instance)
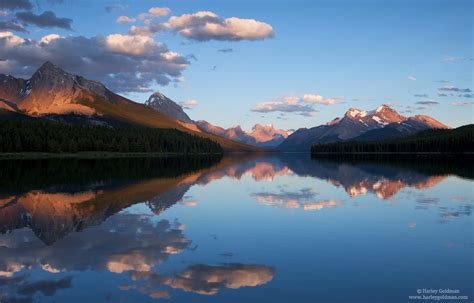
(342, 53)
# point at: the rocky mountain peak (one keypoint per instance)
(384, 107)
(168, 107)
(355, 112)
(386, 114)
(267, 132)
(49, 70)
(157, 95)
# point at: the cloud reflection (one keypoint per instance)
(305, 198)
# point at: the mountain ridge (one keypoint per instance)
(265, 136)
(53, 93)
(357, 123)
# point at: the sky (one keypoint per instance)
(288, 63)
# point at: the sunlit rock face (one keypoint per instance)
(50, 90)
(381, 123)
(259, 135)
(54, 208)
(54, 94)
(267, 135)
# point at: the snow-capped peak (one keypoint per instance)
(354, 112)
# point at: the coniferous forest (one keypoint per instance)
(459, 140)
(56, 137)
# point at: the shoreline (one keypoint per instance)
(107, 155)
(95, 155)
(394, 153)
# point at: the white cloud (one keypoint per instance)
(412, 78)
(289, 104)
(189, 102)
(10, 39)
(205, 25)
(48, 38)
(310, 98)
(130, 45)
(125, 19)
(159, 11)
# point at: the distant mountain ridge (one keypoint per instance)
(260, 135)
(381, 123)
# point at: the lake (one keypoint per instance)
(248, 228)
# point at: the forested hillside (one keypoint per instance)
(56, 137)
(457, 140)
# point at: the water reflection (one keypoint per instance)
(61, 219)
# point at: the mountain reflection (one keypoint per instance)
(64, 217)
(57, 197)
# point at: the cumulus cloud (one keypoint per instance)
(412, 78)
(124, 63)
(188, 104)
(289, 104)
(15, 4)
(294, 104)
(205, 26)
(159, 11)
(130, 45)
(9, 25)
(46, 19)
(153, 13)
(3, 13)
(451, 88)
(48, 38)
(427, 102)
(310, 98)
(149, 27)
(124, 20)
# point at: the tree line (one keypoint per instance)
(459, 140)
(57, 137)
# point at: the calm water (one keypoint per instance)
(276, 228)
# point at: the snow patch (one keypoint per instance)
(379, 121)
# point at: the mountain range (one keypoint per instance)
(260, 135)
(358, 125)
(54, 94)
